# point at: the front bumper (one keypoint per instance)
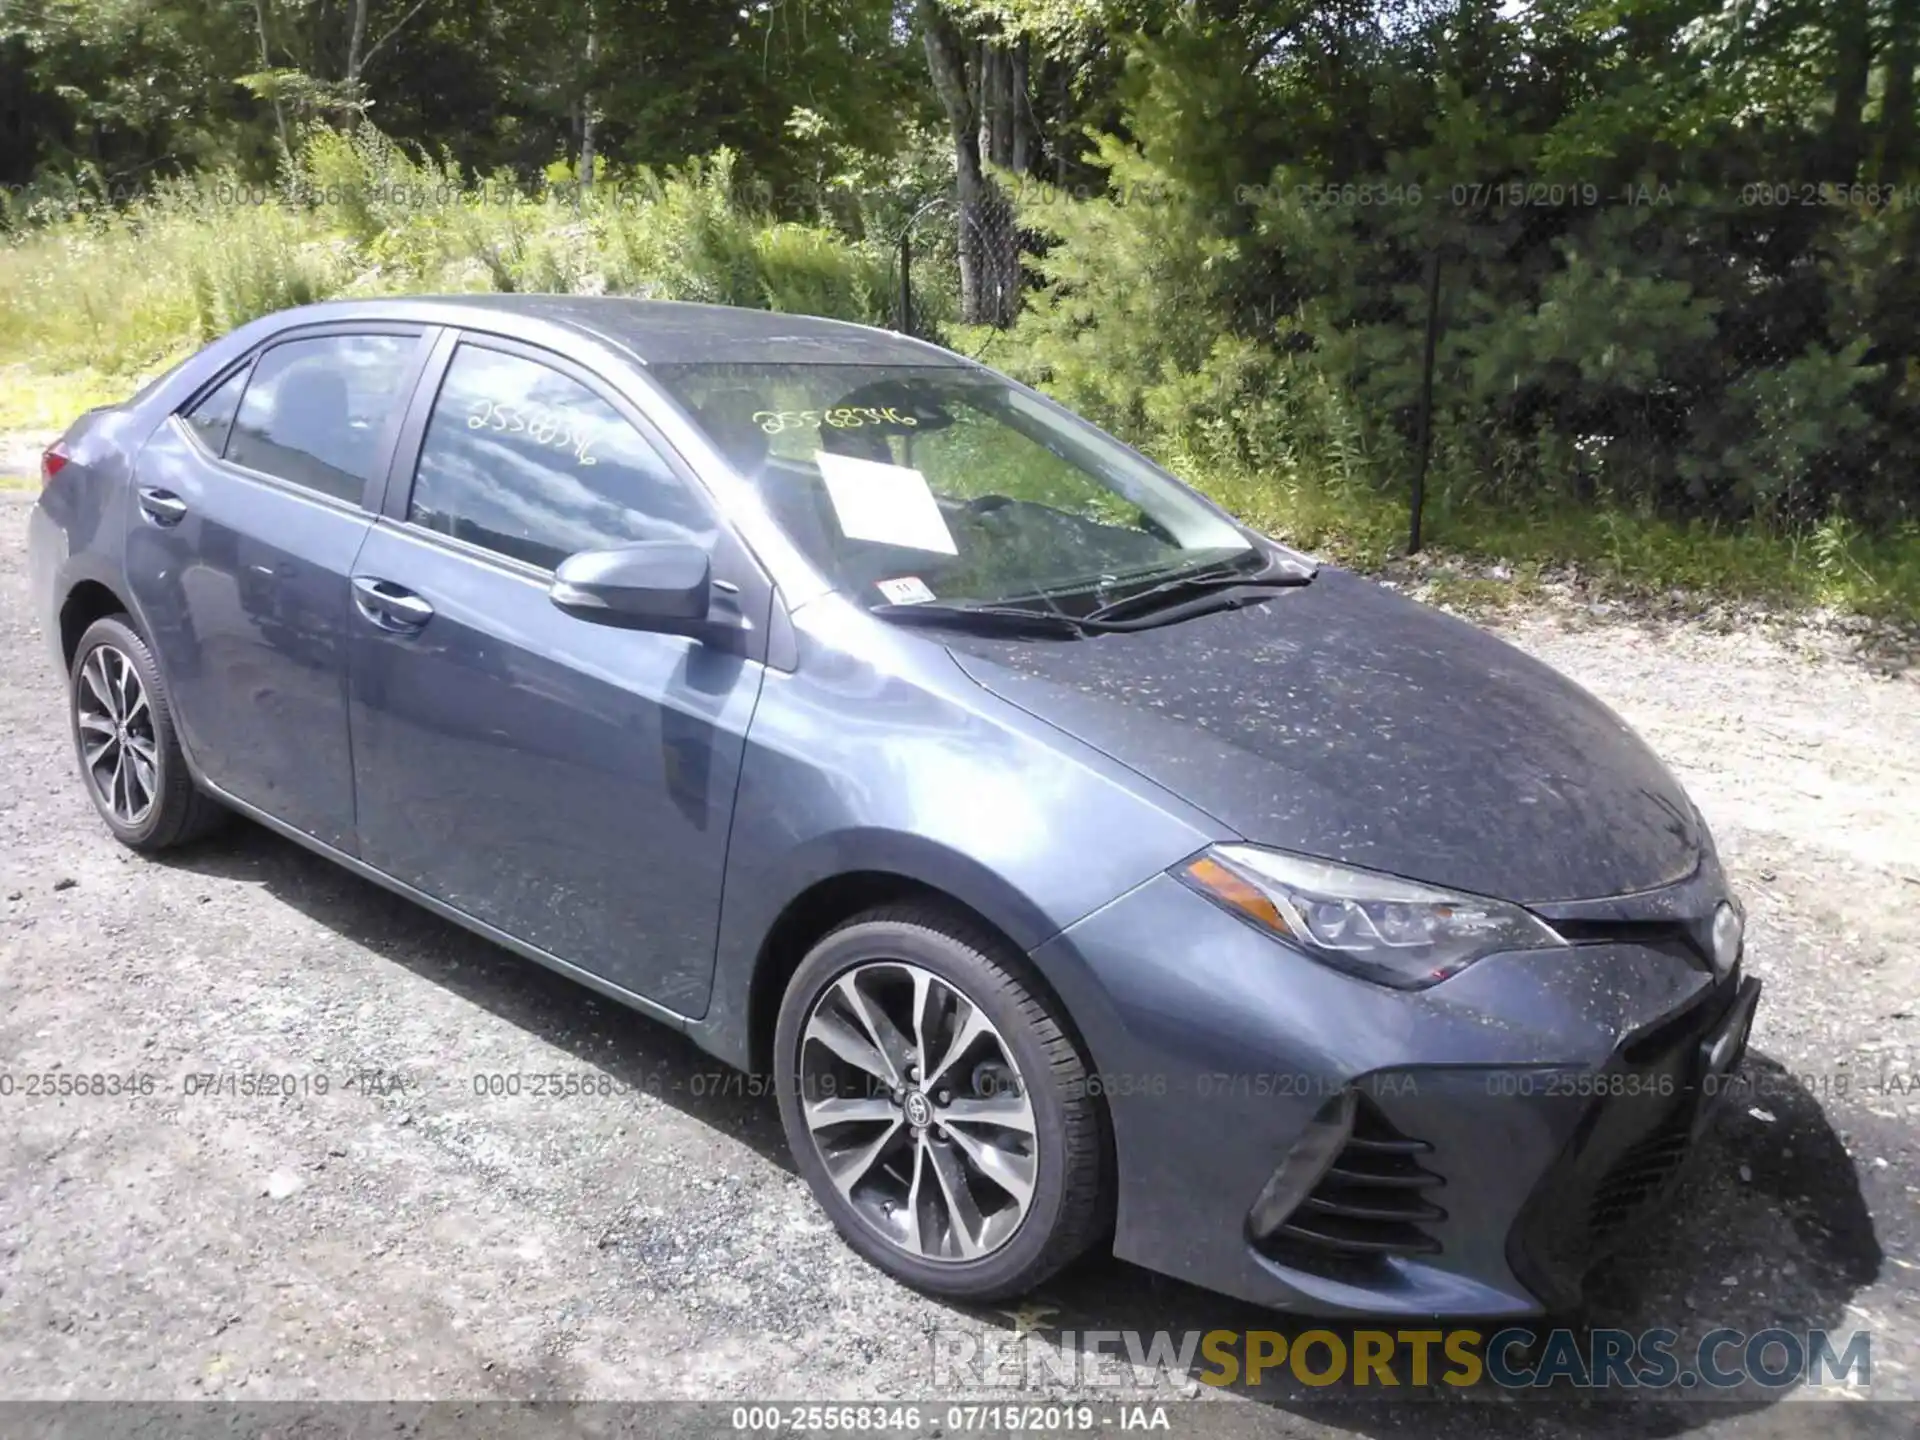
(1628, 1148)
(1512, 1124)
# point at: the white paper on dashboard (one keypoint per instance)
(890, 504)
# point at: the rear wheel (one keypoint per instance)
(124, 738)
(937, 1106)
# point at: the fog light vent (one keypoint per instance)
(1352, 1186)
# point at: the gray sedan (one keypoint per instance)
(1084, 868)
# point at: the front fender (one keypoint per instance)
(916, 858)
(878, 755)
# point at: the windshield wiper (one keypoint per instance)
(1278, 575)
(1179, 598)
(993, 618)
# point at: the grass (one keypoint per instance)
(35, 407)
(119, 291)
(1611, 552)
(1830, 565)
(33, 400)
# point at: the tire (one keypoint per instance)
(1063, 1171)
(150, 757)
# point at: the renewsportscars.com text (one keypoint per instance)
(1513, 1358)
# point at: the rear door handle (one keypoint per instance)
(390, 606)
(162, 507)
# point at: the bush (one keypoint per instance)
(355, 214)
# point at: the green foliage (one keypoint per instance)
(1777, 425)
(126, 89)
(688, 238)
(1643, 327)
(808, 271)
(371, 189)
(34, 401)
(118, 289)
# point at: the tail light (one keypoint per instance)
(52, 462)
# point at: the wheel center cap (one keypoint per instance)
(918, 1108)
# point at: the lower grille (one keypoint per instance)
(1373, 1198)
(1639, 1178)
(1623, 1159)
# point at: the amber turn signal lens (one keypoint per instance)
(1229, 888)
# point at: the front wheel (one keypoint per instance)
(937, 1107)
(124, 739)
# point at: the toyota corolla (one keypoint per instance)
(1085, 868)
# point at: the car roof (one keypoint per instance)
(655, 332)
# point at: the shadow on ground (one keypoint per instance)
(640, 1053)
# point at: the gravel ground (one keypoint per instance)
(20, 452)
(403, 1236)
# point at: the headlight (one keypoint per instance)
(1397, 932)
(1729, 931)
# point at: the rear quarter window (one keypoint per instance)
(212, 417)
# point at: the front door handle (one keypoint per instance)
(162, 507)
(390, 606)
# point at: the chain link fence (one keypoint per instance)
(959, 262)
(1722, 358)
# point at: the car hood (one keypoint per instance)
(1341, 720)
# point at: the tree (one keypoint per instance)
(123, 90)
(320, 70)
(983, 81)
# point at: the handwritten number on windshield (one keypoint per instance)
(839, 417)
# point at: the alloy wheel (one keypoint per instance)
(118, 748)
(917, 1108)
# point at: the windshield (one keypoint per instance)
(917, 484)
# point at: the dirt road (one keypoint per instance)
(409, 1233)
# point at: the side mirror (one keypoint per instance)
(662, 585)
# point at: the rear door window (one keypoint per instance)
(528, 462)
(315, 412)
